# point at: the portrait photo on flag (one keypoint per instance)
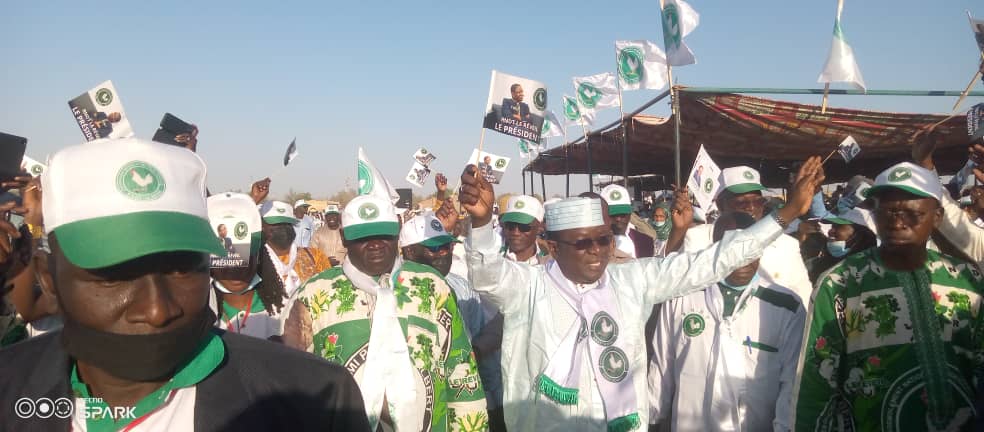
(424, 157)
(491, 167)
(99, 113)
(515, 106)
(849, 148)
(418, 174)
(704, 179)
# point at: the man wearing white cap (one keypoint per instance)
(781, 263)
(893, 338)
(305, 224)
(627, 238)
(522, 224)
(328, 238)
(574, 356)
(394, 325)
(130, 243)
(295, 264)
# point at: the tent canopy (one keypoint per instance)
(771, 136)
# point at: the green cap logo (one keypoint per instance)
(436, 225)
(571, 110)
(519, 205)
(365, 178)
(588, 95)
(368, 212)
(540, 98)
(604, 330)
(613, 364)
(748, 175)
(671, 27)
(104, 96)
(615, 195)
(500, 163)
(281, 210)
(36, 169)
(630, 62)
(693, 324)
(899, 174)
(140, 181)
(708, 185)
(240, 230)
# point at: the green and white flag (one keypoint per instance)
(33, 167)
(529, 149)
(641, 65)
(371, 182)
(841, 65)
(551, 126)
(679, 19)
(574, 114)
(596, 91)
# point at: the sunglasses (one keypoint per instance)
(585, 244)
(509, 226)
(438, 249)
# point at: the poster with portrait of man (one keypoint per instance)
(703, 181)
(418, 174)
(99, 113)
(424, 157)
(516, 106)
(238, 231)
(490, 166)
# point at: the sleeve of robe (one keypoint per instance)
(501, 282)
(961, 231)
(662, 376)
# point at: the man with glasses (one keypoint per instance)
(894, 333)
(574, 355)
(394, 325)
(781, 263)
(522, 224)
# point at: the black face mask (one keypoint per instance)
(282, 236)
(137, 357)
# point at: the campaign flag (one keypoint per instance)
(975, 122)
(841, 65)
(641, 65)
(492, 167)
(574, 114)
(848, 149)
(418, 174)
(679, 19)
(529, 150)
(551, 126)
(424, 157)
(508, 112)
(704, 179)
(977, 25)
(595, 92)
(32, 166)
(371, 182)
(291, 152)
(99, 113)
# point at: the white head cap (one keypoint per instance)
(573, 213)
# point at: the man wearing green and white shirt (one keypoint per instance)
(130, 244)
(895, 333)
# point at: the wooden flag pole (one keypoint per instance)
(963, 95)
(621, 120)
(567, 162)
(823, 103)
(829, 155)
(675, 108)
(587, 144)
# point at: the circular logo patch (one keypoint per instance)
(604, 330)
(630, 65)
(368, 211)
(748, 175)
(36, 169)
(899, 174)
(615, 195)
(540, 98)
(423, 151)
(519, 205)
(500, 164)
(693, 324)
(671, 26)
(104, 96)
(140, 181)
(708, 185)
(436, 225)
(570, 109)
(613, 364)
(588, 95)
(365, 178)
(240, 231)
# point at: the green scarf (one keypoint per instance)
(663, 232)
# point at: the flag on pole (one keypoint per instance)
(528, 149)
(596, 91)
(551, 126)
(841, 65)
(679, 19)
(574, 114)
(371, 182)
(704, 179)
(848, 149)
(291, 152)
(641, 65)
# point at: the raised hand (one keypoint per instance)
(441, 183)
(682, 212)
(476, 196)
(448, 215)
(808, 179)
(260, 190)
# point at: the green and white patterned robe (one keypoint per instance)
(436, 337)
(888, 350)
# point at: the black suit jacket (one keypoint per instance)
(260, 386)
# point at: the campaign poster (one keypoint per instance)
(424, 157)
(704, 180)
(490, 166)
(849, 149)
(99, 113)
(418, 174)
(516, 106)
(235, 230)
(33, 167)
(977, 25)
(975, 122)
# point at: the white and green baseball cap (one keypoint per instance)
(522, 209)
(367, 216)
(277, 212)
(911, 178)
(114, 200)
(243, 226)
(618, 200)
(332, 209)
(425, 229)
(856, 216)
(741, 179)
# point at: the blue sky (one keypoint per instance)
(395, 76)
